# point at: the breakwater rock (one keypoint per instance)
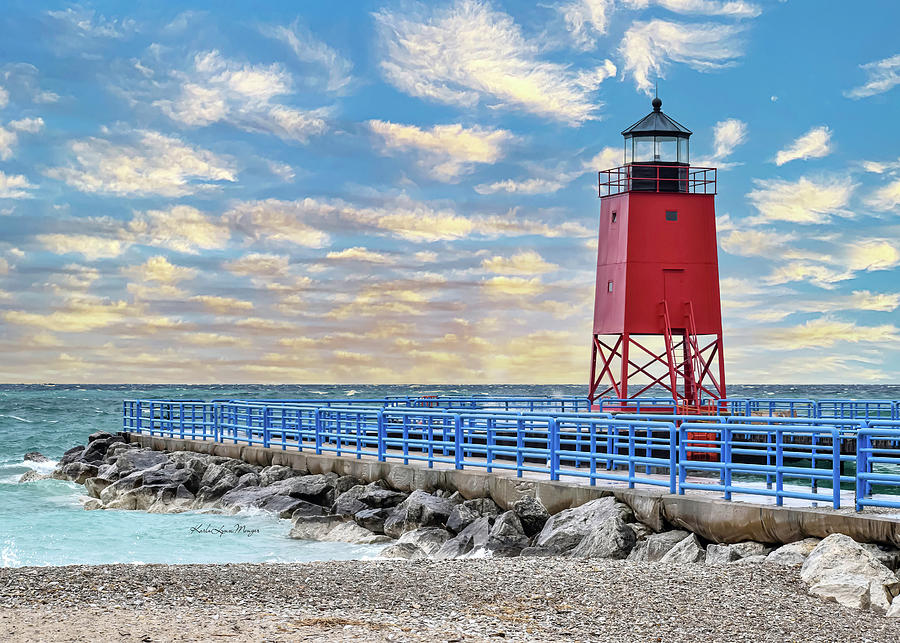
(442, 524)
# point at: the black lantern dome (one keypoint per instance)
(657, 139)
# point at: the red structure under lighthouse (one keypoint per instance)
(657, 316)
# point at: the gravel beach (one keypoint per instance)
(427, 600)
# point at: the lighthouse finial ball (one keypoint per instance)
(657, 104)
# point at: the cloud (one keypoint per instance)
(872, 254)
(222, 305)
(84, 22)
(308, 49)
(258, 264)
(159, 270)
(27, 125)
(468, 53)
(14, 186)
(80, 314)
(826, 331)
(513, 286)
(4, 266)
(801, 201)
(4, 97)
(243, 95)
(586, 20)
(278, 221)
(181, 228)
(648, 47)
(816, 143)
(155, 164)
(445, 151)
(883, 75)
(9, 137)
(883, 199)
(527, 262)
(881, 302)
(815, 273)
(727, 135)
(525, 186)
(754, 243)
(90, 246)
(359, 253)
(728, 8)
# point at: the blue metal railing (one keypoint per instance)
(780, 456)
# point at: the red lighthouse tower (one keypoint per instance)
(657, 317)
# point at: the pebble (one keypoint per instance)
(463, 600)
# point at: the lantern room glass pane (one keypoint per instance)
(665, 149)
(643, 149)
(683, 156)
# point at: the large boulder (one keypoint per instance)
(99, 435)
(420, 509)
(32, 476)
(139, 460)
(655, 546)
(348, 503)
(96, 449)
(842, 570)
(77, 472)
(405, 551)
(70, 456)
(427, 539)
(507, 537)
(317, 488)
(472, 538)
(243, 498)
(687, 551)
(566, 529)
(94, 486)
(531, 513)
(172, 500)
(286, 506)
(377, 496)
(334, 529)
(372, 519)
(35, 456)
(275, 473)
(794, 553)
(461, 517)
(305, 508)
(614, 539)
(722, 554)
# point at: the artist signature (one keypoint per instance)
(221, 530)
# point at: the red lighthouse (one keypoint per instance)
(657, 317)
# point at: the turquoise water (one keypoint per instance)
(42, 522)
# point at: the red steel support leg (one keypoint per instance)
(626, 340)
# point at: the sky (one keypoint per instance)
(400, 192)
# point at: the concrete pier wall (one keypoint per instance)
(713, 519)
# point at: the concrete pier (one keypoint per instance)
(712, 518)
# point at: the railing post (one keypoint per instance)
(726, 459)
(836, 467)
(862, 440)
(266, 424)
(631, 453)
(458, 455)
(381, 436)
(489, 443)
(554, 448)
(520, 446)
(673, 458)
(318, 429)
(140, 412)
(682, 456)
(779, 464)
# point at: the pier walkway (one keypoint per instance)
(792, 456)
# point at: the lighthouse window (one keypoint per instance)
(671, 215)
(609, 287)
(614, 216)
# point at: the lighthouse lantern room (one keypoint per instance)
(657, 329)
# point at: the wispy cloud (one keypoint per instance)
(445, 151)
(883, 75)
(726, 8)
(586, 20)
(469, 53)
(221, 90)
(802, 201)
(816, 143)
(649, 47)
(153, 164)
(885, 198)
(309, 49)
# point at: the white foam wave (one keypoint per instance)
(15, 417)
(41, 467)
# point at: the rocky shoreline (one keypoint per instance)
(440, 524)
